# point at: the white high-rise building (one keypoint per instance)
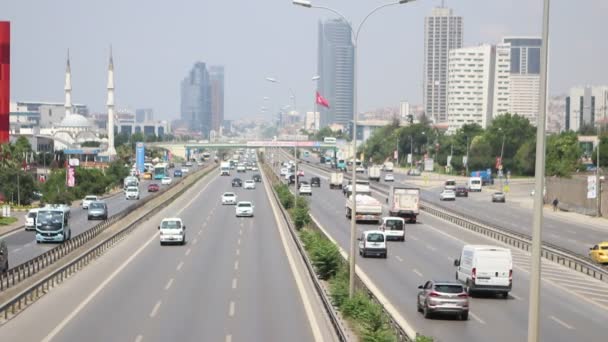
(442, 32)
(525, 96)
(585, 106)
(478, 85)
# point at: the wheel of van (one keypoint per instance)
(505, 295)
(469, 290)
(385, 255)
(418, 308)
(464, 315)
(426, 312)
(364, 254)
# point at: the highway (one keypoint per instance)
(232, 281)
(22, 244)
(572, 235)
(574, 307)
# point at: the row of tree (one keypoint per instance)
(511, 136)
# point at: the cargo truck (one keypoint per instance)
(485, 175)
(225, 169)
(373, 173)
(335, 180)
(404, 203)
(362, 188)
(368, 209)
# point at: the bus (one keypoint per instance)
(341, 165)
(206, 156)
(161, 171)
(329, 140)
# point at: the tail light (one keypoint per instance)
(474, 273)
(511, 275)
(463, 295)
(434, 294)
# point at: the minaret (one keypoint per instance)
(110, 104)
(68, 87)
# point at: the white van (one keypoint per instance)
(30, 219)
(484, 268)
(475, 184)
(450, 184)
(373, 242)
(394, 228)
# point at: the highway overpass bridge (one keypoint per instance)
(182, 149)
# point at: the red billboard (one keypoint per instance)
(5, 84)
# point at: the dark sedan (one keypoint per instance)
(237, 182)
(153, 187)
(257, 178)
(315, 181)
(461, 191)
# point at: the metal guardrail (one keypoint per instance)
(518, 240)
(43, 286)
(27, 269)
(329, 308)
(399, 331)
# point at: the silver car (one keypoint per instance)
(443, 297)
(98, 210)
(499, 197)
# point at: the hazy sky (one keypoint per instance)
(156, 43)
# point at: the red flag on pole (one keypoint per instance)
(322, 101)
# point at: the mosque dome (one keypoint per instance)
(75, 120)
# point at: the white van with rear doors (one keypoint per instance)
(373, 242)
(484, 268)
(393, 228)
(475, 184)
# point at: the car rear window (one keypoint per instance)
(245, 205)
(33, 215)
(375, 237)
(171, 225)
(90, 198)
(449, 288)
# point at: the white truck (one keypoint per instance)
(368, 209)
(335, 180)
(404, 203)
(130, 181)
(388, 166)
(362, 188)
(373, 173)
(225, 168)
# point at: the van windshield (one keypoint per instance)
(375, 237)
(394, 225)
(170, 225)
(475, 181)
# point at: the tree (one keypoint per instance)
(563, 154)
(525, 158)
(515, 130)
(603, 152)
(17, 185)
(480, 154)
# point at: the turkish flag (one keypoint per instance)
(322, 101)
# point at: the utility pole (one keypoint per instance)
(502, 150)
(467, 163)
(598, 183)
(411, 152)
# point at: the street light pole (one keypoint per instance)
(411, 152)
(502, 150)
(467, 163)
(354, 40)
(534, 304)
(314, 104)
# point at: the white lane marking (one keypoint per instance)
(238, 242)
(240, 232)
(228, 338)
(417, 272)
(179, 266)
(169, 283)
(194, 241)
(414, 238)
(398, 258)
(236, 265)
(298, 278)
(477, 318)
(231, 310)
(188, 251)
(234, 283)
(431, 248)
(155, 309)
(139, 338)
(562, 323)
(98, 289)
(204, 224)
(515, 296)
(199, 232)
(17, 249)
(238, 252)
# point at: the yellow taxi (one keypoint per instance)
(147, 175)
(599, 253)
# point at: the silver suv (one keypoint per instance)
(98, 210)
(443, 297)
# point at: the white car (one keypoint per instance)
(249, 184)
(172, 230)
(229, 198)
(389, 177)
(306, 189)
(248, 167)
(447, 195)
(283, 171)
(254, 168)
(30, 219)
(244, 208)
(360, 169)
(166, 181)
(373, 242)
(87, 200)
(132, 192)
(241, 168)
(200, 163)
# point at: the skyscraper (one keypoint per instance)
(335, 66)
(196, 100)
(525, 76)
(442, 33)
(216, 80)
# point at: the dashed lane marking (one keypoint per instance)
(179, 266)
(139, 338)
(234, 283)
(477, 318)
(188, 251)
(231, 309)
(562, 323)
(228, 338)
(515, 296)
(155, 309)
(194, 241)
(238, 252)
(236, 265)
(431, 248)
(169, 283)
(398, 258)
(417, 272)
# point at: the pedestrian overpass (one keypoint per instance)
(184, 148)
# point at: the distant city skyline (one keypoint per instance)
(280, 40)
